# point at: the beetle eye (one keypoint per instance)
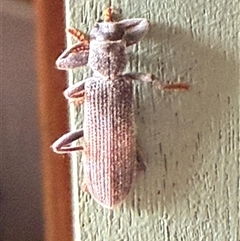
(94, 31)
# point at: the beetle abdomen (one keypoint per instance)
(109, 138)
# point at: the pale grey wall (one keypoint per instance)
(21, 200)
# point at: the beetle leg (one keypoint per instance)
(62, 145)
(150, 78)
(135, 29)
(174, 86)
(84, 186)
(75, 92)
(140, 163)
(76, 55)
(73, 57)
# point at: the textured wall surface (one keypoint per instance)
(190, 190)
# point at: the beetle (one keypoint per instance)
(109, 143)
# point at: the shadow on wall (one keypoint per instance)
(180, 131)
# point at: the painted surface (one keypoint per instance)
(190, 190)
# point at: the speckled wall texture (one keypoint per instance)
(190, 190)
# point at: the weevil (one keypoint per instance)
(109, 143)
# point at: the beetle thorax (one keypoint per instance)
(107, 55)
